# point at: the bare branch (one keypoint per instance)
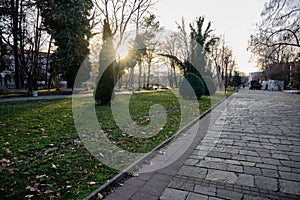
(288, 30)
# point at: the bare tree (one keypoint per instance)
(184, 39)
(122, 13)
(280, 23)
(171, 47)
(279, 29)
(277, 37)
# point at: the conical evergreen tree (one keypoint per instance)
(104, 92)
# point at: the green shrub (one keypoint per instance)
(210, 86)
(191, 86)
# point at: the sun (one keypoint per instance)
(122, 52)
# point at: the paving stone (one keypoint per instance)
(245, 163)
(290, 163)
(266, 183)
(268, 146)
(214, 198)
(270, 173)
(203, 147)
(239, 157)
(188, 186)
(275, 141)
(254, 145)
(286, 169)
(280, 156)
(254, 197)
(264, 154)
(222, 176)
(296, 170)
(227, 142)
(266, 166)
(246, 180)
(227, 194)
(191, 162)
(194, 196)
(234, 162)
(214, 159)
(263, 140)
(285, 141)
(199, 153)
(252, 170)
(270, 161)
(290, 176)
(176, 183)
(253, 159)
(197, 157)
(249, 138)
(232, 150)
(193, 171)
(295, 158)
(290, 187)
(212, 165)
(173, 194)
(219, 154)
(248, 153)
(234, 168)
(206, 190)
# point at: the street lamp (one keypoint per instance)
(226, 65)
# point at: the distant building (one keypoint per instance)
(289, 72)
(7, 66)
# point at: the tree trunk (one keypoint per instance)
(140, 76)
(36, 52)
(15, 21)
(144, 78)
(47, 62)
(148, 76)
(170, 77)
(131, 78)
(174, 75)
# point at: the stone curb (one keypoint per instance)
(127, 172)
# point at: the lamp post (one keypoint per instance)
(226, 65)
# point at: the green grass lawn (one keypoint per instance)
(42, 156)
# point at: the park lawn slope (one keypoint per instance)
(42, 156)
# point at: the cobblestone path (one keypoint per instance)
(252, 152)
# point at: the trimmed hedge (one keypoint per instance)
(191, 86)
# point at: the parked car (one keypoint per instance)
(255, 85)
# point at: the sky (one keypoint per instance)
(235, 19)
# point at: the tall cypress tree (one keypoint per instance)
(105, 88)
